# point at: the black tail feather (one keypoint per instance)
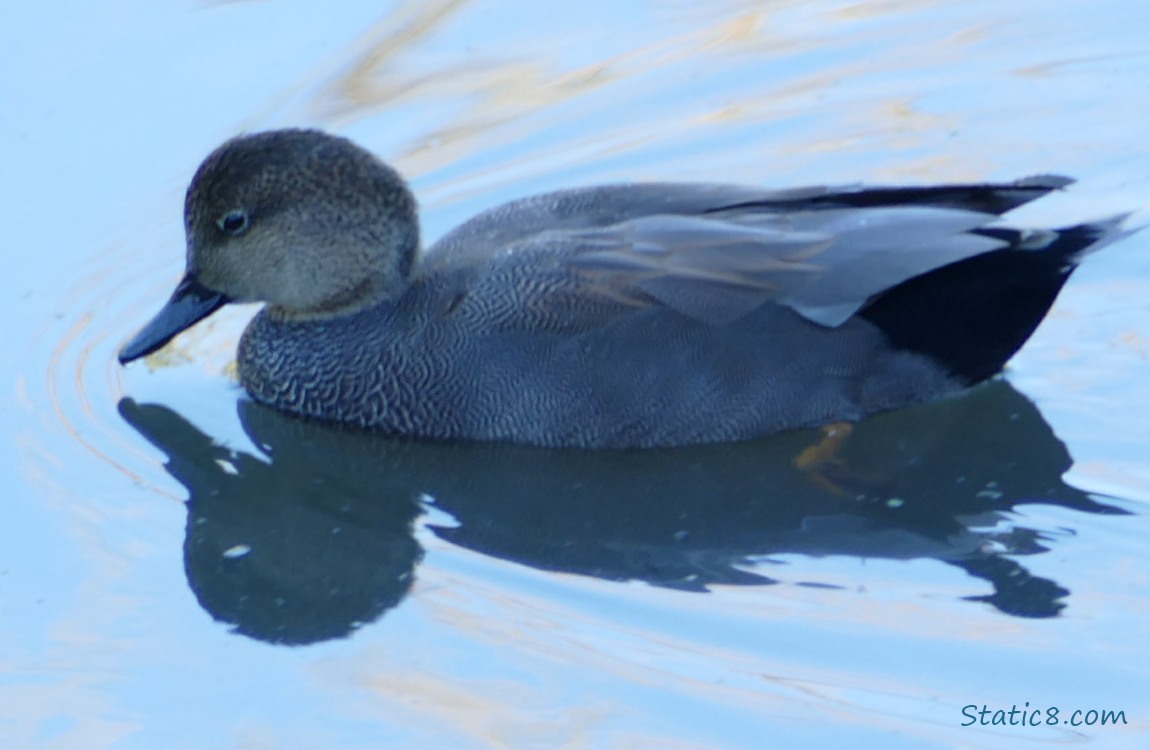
(973, 315)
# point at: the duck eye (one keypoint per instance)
(233, 222)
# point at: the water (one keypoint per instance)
(166, 538)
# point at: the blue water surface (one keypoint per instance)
(180, 568)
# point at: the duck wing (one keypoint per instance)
(714, 253)
(824, 264)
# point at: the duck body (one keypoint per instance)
(406, 371)
(625, 316)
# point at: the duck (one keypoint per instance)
(622, 316)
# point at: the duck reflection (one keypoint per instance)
(315, 538)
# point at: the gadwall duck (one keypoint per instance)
(618, 316)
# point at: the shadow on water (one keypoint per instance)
(315, 538)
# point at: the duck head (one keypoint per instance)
(307, 222)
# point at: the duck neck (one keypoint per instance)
(372, 291)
